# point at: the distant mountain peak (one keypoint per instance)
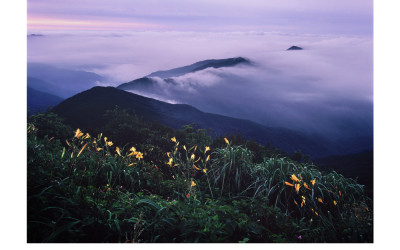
(210, 63)
(295, 48)
(145, 83)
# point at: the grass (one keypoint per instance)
(87, 189)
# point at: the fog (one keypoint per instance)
(325, 88)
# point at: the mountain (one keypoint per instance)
(212, 63)
(146, 83)
(40, 101)
(359, 165)
(295, 48)
(59, 81)
(86, 109)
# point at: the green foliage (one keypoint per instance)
(161, 185)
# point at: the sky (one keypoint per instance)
(295, 16)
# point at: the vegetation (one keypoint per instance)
(138, 181)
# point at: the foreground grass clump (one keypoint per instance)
(87, 189)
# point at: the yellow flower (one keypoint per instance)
(133, 153)
(197, 160)
(334, 202)
(118, 152)
(207, 149)
(139, 155)
(205, 170)
(131, 164)
(110, 143)
(184, 147)
(173, 139)
(226, 140)
(81, 150)
(312, 182)
(168, 154)
(105, 139)
(320, 200)
(193, 184)
(289, 184)
(86, 136)
(306, 186)
(78, 133)
(208, 158)
(192, 157)
(294, 178)
(133, 149)
(98, 149)
(297, 187)
(170, 162)
(303, 202)
(314, 211)
(196, 167)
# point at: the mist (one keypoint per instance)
(325, 88)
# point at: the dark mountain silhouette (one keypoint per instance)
(295, 48)
(40, 101)
(146, 83)
(86, 110)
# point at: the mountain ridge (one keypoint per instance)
(87, 108)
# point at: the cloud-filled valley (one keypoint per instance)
(324, 88)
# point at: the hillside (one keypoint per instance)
(86, 110)
(40, 101)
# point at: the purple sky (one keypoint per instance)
(295, 16)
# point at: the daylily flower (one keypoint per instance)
(81, 150)
(98, 149)
(208, 158)
(170, 162)
(289, 184)
(334, 202)
(110, 143)
(294, 178)
(133, 149)
(226, 140)
(192, 157)
(207, 149)
(193, 184)
(139, 155)
(312, 182)
(314, 211)
(297, 187)
(118, 152)
(303, 202)
(184, 147)
(320, 200)
(133, 153)
(131, 164)
(196, 167)
(78, 133)
(173, 139)
(205, 170)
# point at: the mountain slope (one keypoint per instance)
(40, 101)
(212, 63)
(147, 83)
(62, 82)
(86, 109)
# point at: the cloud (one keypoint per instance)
(324, 88)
